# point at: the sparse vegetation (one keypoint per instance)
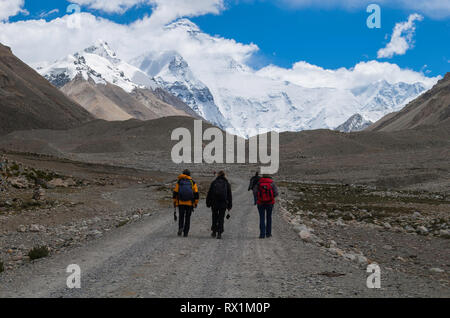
(38, 252)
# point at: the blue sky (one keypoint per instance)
(329, 38)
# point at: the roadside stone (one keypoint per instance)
(19, 182)
(300, 227)
(362, 260)
(305, 235)
(436, 270)
(422, 230)
(336, 251)
(416, 215)
(349, 256)
(96, 233)
(444, 233)
(35, 228)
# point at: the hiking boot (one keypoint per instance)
(213, 234)
(262, 236)
(269, 235)
(185, 235)
(219, 236)
(180, 232)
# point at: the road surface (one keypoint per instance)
(148, 259)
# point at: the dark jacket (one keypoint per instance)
(215, 202)
(274, 187)
(253, 182)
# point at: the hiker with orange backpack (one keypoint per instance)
(266, 192)
(185, 197)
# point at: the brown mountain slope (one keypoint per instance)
(110, 102)
(29, 101)
(94, 101)
(431, 108)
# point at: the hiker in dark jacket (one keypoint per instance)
(185, 197)
(266, 192)
(253, 182)
(219, 199)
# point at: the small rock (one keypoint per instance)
(35, 228)
(22, 229)
(17, 258)
(444, 233)
(349, 256)
(387, 226)
(305, 235)
(96, 233)
(362, 259)
(416, 215)
(335, 250)
(437, 270)
(422, 230)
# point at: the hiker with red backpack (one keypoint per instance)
(266, 192)
(185, 197)
(253, 182)
(219, 199)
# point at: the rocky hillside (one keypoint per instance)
(432, 108)
(28, 101)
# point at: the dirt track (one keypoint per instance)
(147, 259)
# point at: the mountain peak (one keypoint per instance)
(102, 49)
(185, 24)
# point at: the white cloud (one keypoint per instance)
(363, 73)
(164, 11)
(439, 9)
(110, 6)
(169, 10)
(128, 40)
(10, 8)
(401, 38)
(206, 54)
(46, 14)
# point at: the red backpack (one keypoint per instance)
(265, 192)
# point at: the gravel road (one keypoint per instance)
(148, 259)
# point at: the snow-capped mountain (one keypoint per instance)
(381, 98)
(354, 123)
(111, 89)
(230, 94)
(98, 63)
(243, 101)
(172, 72)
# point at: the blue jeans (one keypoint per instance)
(265, 219)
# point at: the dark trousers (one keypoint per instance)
(184, 224)
(265, 219)
(218, 218)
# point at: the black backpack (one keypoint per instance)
(220, 190)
